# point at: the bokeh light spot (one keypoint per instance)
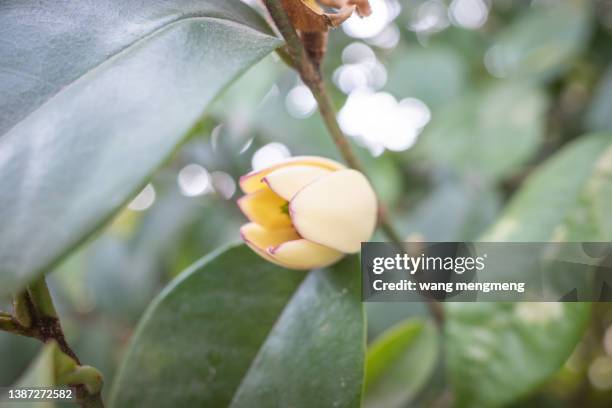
(270, 154)
(300, 102)
(144, 200)
(194, 180)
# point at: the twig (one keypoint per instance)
(35, 316)
(314, 80)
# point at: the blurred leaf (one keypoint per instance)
(598, 117)
(236, 330)
(399, 363)
(45, 371)
(97, 341)
(435, 75)
(567, 199)
(243, 98)
(470, 45)
(541, 42)
(41, 373)
(302, 136)
(381, 316)
(489, 133)
(384, 173)
(125, 273)
(94, 102)
(19, 351)
(456, 210)
(207, 233)
(498, 352)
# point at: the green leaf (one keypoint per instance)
(491, 132)
(399, 363)
(96, 101)
(567, 199)
(381, 316)
(542, 42)
(498, 352)
(598, 117)
(235, 330)
(35, 54)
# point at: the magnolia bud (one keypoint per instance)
(307, 212)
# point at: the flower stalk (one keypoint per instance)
(311, 76)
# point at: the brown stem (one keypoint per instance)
(38, 319)
(283, 53)
(312, 77)
(315, 44)
(294, 45)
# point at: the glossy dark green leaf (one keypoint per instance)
(49, 45)
(235, 330)
(399, 362)
(498, 352)
(93, 98)
(490, 132)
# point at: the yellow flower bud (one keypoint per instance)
(307, 212)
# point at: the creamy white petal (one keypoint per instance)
(287, 181)
(338, 210)
(303, 254)
(260, 239)
(253, 181)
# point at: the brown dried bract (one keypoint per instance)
(313, 21)
(363, 6)
(309, 16)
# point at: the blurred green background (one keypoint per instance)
(451, 104)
